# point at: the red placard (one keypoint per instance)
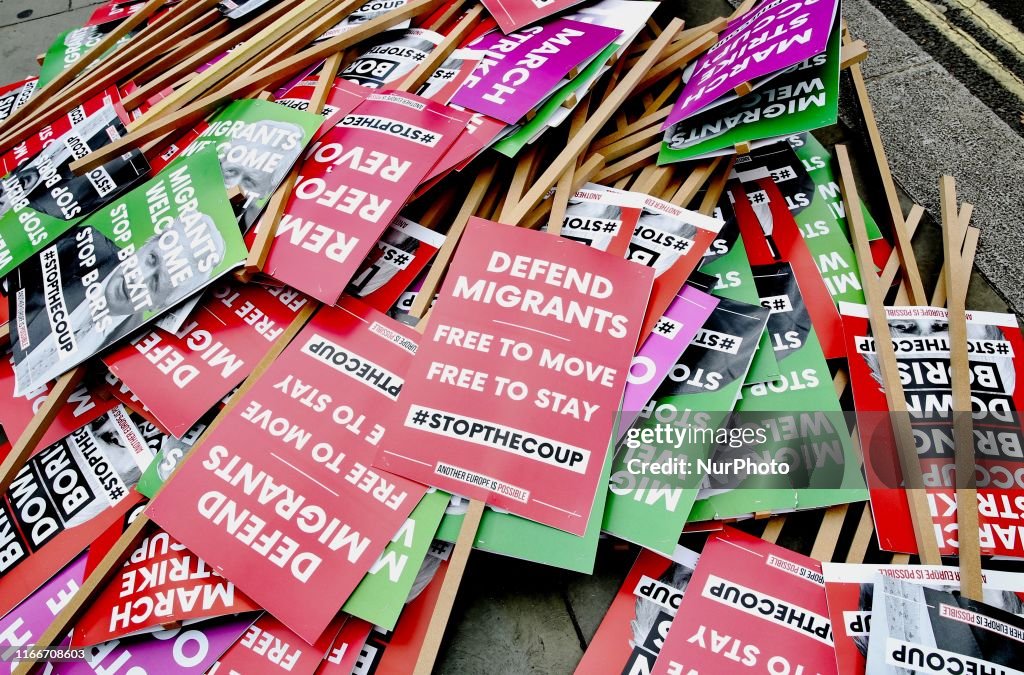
(514, 397)
(281, 498)
(161, 582)
(920, 337)
(513, 14)
(180, 376)
(633, 630)
(32, 144)
(401, 254)
(269, 647)
(751, 606)
(771, 235)
(352, 183)
(63, 499)
(82, 407)
(341, 658)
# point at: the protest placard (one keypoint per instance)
(64, 497)
(920, 336)
(129, 262)
(763, 42)
(282, 499)
(850, 590)
(915, 628)
(521, 69)
(403, 251)
(351, 184)
(754, 604)
(181, 375)
(633, 629)
(521, 420)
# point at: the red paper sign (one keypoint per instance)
(161, 582)
(82, 407)
(751, 606)
(400, 255)
(269, 647)
(33, 144)
(514, 14)
(352, 183)
(514, 397)
(920, 337)
(281, 498)
(341, 658)
(771, 235)
(63, 498)
(180, 376)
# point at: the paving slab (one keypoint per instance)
(21, 42)
(14, 11)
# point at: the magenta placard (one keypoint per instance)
(662, 348)
(187, 651)
(769, 38)
(522, 69)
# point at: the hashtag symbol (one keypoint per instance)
(783, 174)
(1002, 349)
(757, 198)
(663, 327)
(428, 138)
(401, 259)
(779, 304)
(609, 227)
(420, 417)
(680, 245)
(727, 343)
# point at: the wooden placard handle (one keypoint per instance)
(968, 542)
(874, 295)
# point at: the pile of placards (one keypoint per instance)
(304, 300)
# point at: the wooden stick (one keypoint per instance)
(969, 553)
(828, 533)
(604, 112)
(695, 181)
(181, 53)
(446, 16)
(908, 260)
(438, 54)
(892, 265)
(42, 97)
(452, 578)
(962, 224)
(627, 165)
(565, 188)
(773, 529)
(165, 124)
(129, 539)
(181, 19)
(435, 273)
(293, 21)
(205, 54)
(852, 53)
(516, 186)
(584, 174)
(897, 404)
(29, 439)
(677, 61)
(861, 537)
(271, 218)
(647, 120)
(716, 188)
